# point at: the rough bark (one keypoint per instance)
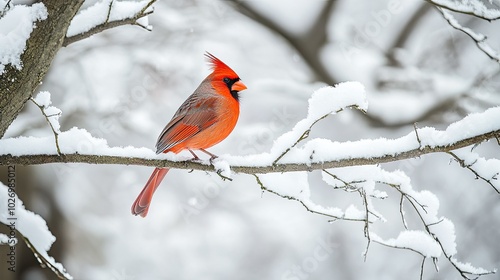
(16, 86)
(279, 167)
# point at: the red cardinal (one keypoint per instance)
(203, 120)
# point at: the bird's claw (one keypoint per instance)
(212, 158)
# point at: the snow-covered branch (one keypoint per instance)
(439, 235)
(27, 52)
(51, 113)
(106, 15)
(78, 146)
(30, 227)
(475, 8)
(146, 157)
(351, 167)
(484, 169)
(479, 38)
(40, 152)
(437, 239)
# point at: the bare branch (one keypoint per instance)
(302, 137)
(402, 212)
(366, 228)
(399, 247)
(54, 131)
(416, 134)
(223, 177)
(109, 10)
(348, 186)
(264, 188)
(417, 205)
(6, 8)
(478, 176)
(111, 24)
(422, 268)
(428, 222)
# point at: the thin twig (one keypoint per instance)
(264, 188)
(366, 228)
(422, 268)
(109, 11)
(401, 211)
(223, 177)
(399, 247)
(469, 166)
(56, 134)
(413, 202)
(408, 197)
(435, 262)
(348, 186)
(6, 8)
(304, 135)
(416, 133)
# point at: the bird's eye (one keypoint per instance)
(226, 80)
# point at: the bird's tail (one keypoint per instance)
(142, 202)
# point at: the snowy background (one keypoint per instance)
(125, 84)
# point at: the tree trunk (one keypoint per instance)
(17, 86)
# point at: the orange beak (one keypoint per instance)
(238, 86)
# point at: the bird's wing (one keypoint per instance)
(194, 115)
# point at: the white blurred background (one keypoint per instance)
(125, 84)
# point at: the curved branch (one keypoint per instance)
(111, 24)
(478, 38)
(8, 159)
(304, 204)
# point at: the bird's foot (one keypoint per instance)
(195, 157)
